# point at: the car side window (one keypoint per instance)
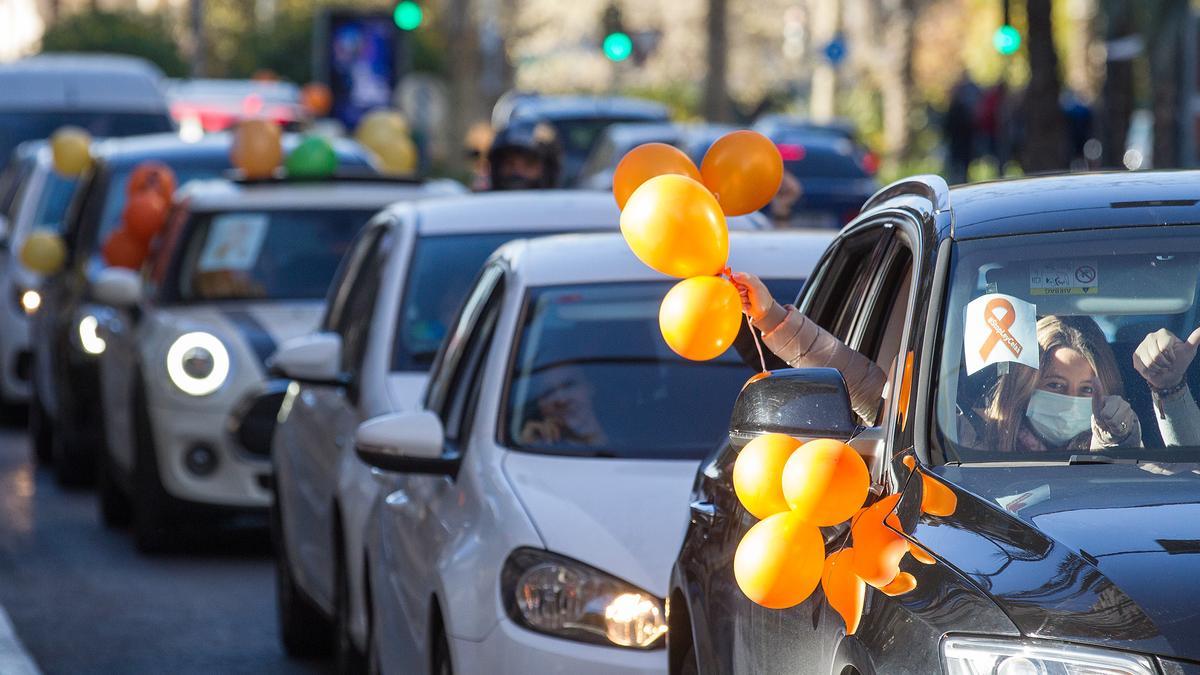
(459, 339)
(463, 392)
(354, 323)
(879, 335)
(347, 275)
(842, 281)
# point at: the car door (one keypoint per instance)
(323, 417)
(731, 631)
(423, 515)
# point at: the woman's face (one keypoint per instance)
(1069, 373)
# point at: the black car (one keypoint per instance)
(64, 413)
(1061, 539)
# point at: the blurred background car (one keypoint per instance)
(64, 415)
(596, 173)
(578, 120)
(107, 95)
(208, 105)
(392, 305)
(239, 268)
(828, 179)
(39, 200)
(548, 465)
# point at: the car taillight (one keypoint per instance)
(791, 152)
(870, 163)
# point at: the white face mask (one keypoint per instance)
(1058, 418)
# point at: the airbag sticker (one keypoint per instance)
(999, 329)
(1064, 277)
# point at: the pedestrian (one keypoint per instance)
(959, 128)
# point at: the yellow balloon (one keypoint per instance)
(779, 561)
(398, 157)
(71, 149)
(700, 317)
(758, 474)
(380, 127)
(43, 252)
(674, 225)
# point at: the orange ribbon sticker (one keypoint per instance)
(1000, 328)
(1000, 325)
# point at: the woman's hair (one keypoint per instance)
(1005, 410)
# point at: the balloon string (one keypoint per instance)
(757, 345)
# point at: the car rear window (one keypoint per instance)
(26, 125)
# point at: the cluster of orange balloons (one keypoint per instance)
(147, 201)
(795, 489)
(673, 217)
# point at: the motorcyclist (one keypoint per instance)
(525, 155)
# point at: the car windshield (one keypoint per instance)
(53, 201)
(442, 270)
(1071, 344)
(263, 255)
(17, 127)
(592, 376)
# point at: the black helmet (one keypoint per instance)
(534, 138)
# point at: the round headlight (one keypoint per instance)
(31, 301)
(198, 363)
(89, 336)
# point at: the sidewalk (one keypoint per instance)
(14, 660)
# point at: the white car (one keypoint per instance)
(542, 488)
(239, 268)
(38, 199)
(379, 339)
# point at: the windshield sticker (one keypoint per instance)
(1014, 503)
(1064, 277)
(234, 242)
(1000, 329)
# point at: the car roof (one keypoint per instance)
(1073, 202)
(81, 82)
(515, 211)
(168, 147)
(227, 195)
(582, 107)
(605, 257)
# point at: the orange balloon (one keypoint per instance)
(145, 214)
(905, 389)
(744, 170)
(903, 583)
(758, 472)
(920, 555)
(825, 482)
(779, 561)
(257, 148)
(123, 249)
(645, 162)
(936, 498)
(700, 317)
(878, 548)
(844, 590)
(316, 98)
(674, 225)
(152, 175)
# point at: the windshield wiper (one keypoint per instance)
(1098, 459)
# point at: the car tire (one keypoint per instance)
(304, 630)
(116, 511)
(40, 432)
(152, 522)
(350, 659)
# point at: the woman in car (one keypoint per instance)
(1074, 400)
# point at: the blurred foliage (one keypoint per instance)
(150, 36)
(681, 98)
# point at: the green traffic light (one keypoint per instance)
(1006, 40)
(617, 46)
(408, 15)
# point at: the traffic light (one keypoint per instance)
(616, 44)
(1006, 40)
(408, 15)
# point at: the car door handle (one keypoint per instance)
(703, 512)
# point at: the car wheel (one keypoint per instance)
(350, 659)
(304, 630)
(115, 507)
(152, 523)
(40, 431)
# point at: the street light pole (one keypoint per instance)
(716, 94)
(198, 41)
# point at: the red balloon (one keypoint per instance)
(145, 215)
(123, 249)
(152, 175)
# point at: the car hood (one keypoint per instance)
(1106, 554)
(263, 326)
(625, 517)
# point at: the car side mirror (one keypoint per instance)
(405, 442)
(118, 287)
(313, 359)
(800, 402)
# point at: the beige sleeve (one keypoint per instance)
(1178, 419)
(804, 344)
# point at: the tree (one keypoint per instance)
(149, 36)
(1116, 105)
(1045, 142)
(1165, 23)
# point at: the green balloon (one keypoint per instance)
(313, 158)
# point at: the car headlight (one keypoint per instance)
(552, 594)
(998, 656)
(29, 300)
(198, 363)
(89, 335)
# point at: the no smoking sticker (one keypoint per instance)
(1064, 277)
(1000, 329)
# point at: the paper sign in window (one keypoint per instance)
(1000, 329)
(234, 242)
